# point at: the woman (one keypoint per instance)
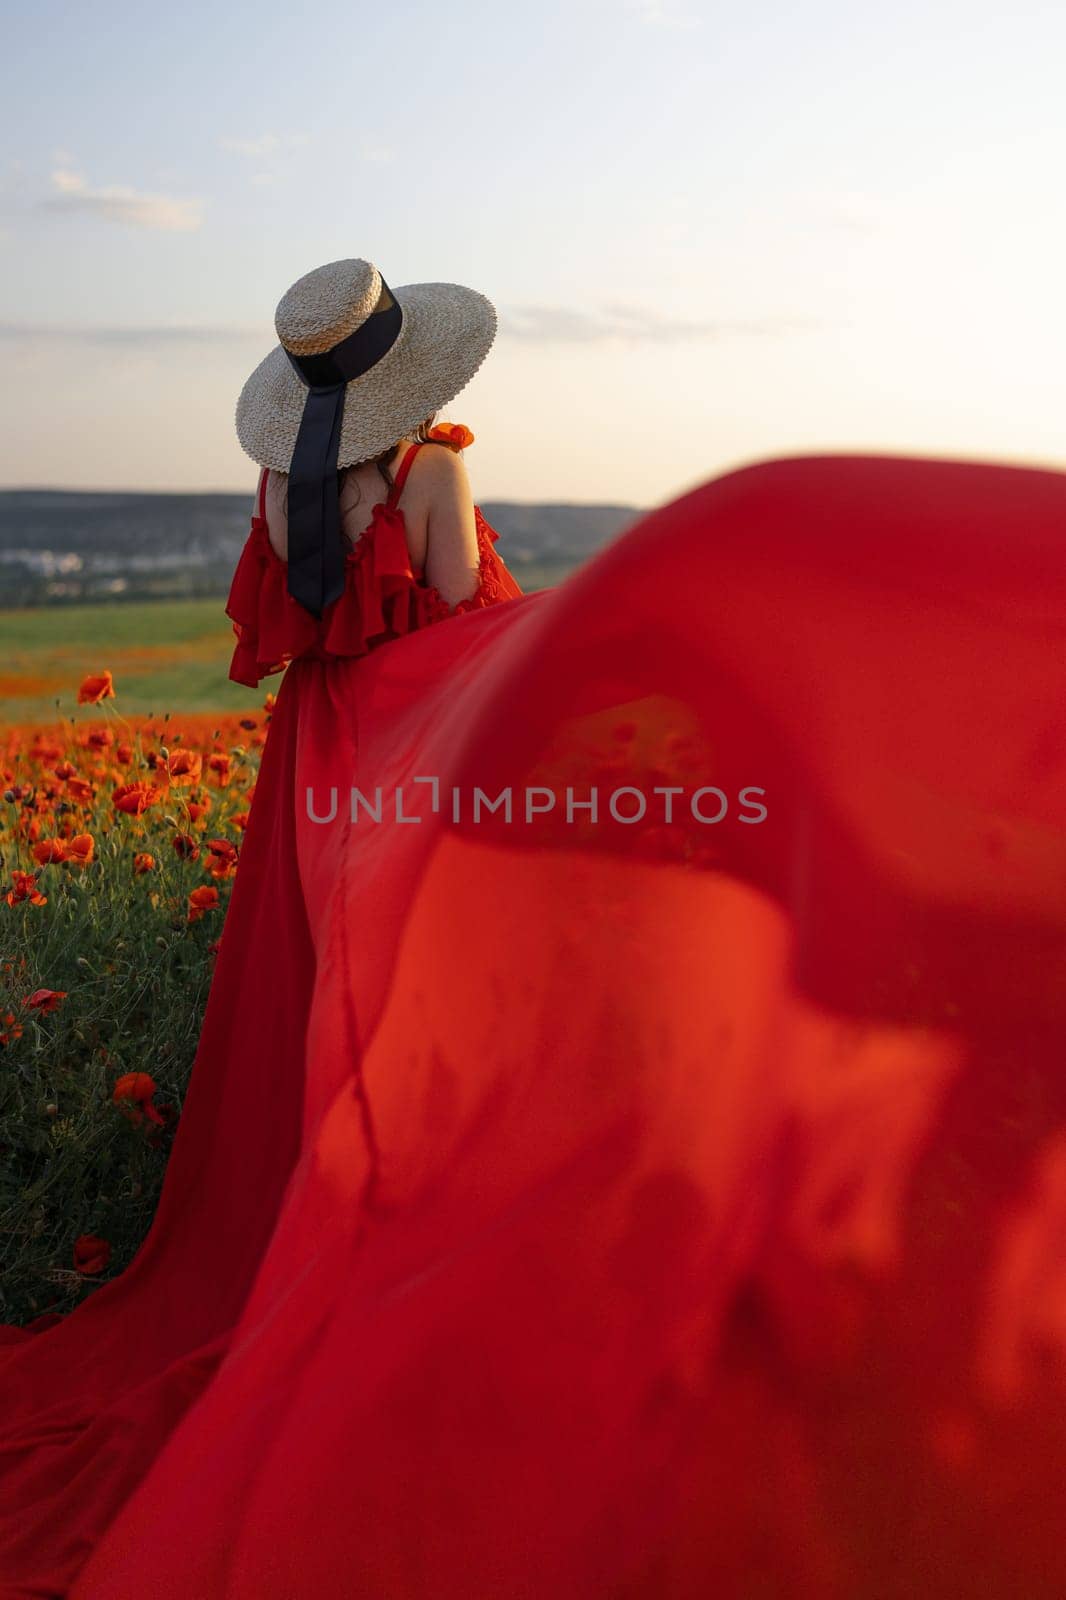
(624, 1155)
(348, 388)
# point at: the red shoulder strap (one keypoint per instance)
(401, 476)
(262, 494)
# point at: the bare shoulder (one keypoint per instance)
(440, 470)
(451, 558)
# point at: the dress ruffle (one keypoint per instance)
(385, 596)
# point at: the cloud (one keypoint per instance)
(265, 148)
(375, 152)
(83, 333)
(119, 203)
(849, 219)
(563, 325)
(263, 144)
(536, 324)
(843, 210)
(661, 14)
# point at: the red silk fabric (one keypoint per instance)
(384, 596)
(632, 1209)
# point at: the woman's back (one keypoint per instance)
(418, 553)
(362, 487)
(438, 512)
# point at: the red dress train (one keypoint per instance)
(631, 1206)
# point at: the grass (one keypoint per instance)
(168, 655)
(108, 918)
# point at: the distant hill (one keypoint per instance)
(63, 545)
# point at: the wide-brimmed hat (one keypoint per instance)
(358, 366)
(412, 362)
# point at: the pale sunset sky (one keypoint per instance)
(714, 233)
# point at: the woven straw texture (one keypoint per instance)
(447, 332)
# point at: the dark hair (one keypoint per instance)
(381, 461)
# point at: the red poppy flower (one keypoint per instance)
(91, 1254)
(11, 1029)
(25, 888)
(143, 862)
(186, 847)
(65, 769)
(49, 851)
(96, 687)
(44, 1000)
(133, 1094)
(135, 798)
(134, 1086)
(223, 862)
(201, 900)
(80, 849)
(453, 434)
(183, 768)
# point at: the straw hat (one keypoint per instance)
(441, 333)
(359, 366)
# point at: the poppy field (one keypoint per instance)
(167, 655)
(119, 839)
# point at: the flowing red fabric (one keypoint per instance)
(586, 1208)
(384, 597)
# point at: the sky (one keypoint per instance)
(714, 233)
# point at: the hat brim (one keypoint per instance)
(446, 334)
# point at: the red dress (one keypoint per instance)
(623, 1206)
(384, 596)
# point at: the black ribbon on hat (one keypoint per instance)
(316, 540)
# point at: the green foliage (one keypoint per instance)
(133, 963)
(164, 653)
